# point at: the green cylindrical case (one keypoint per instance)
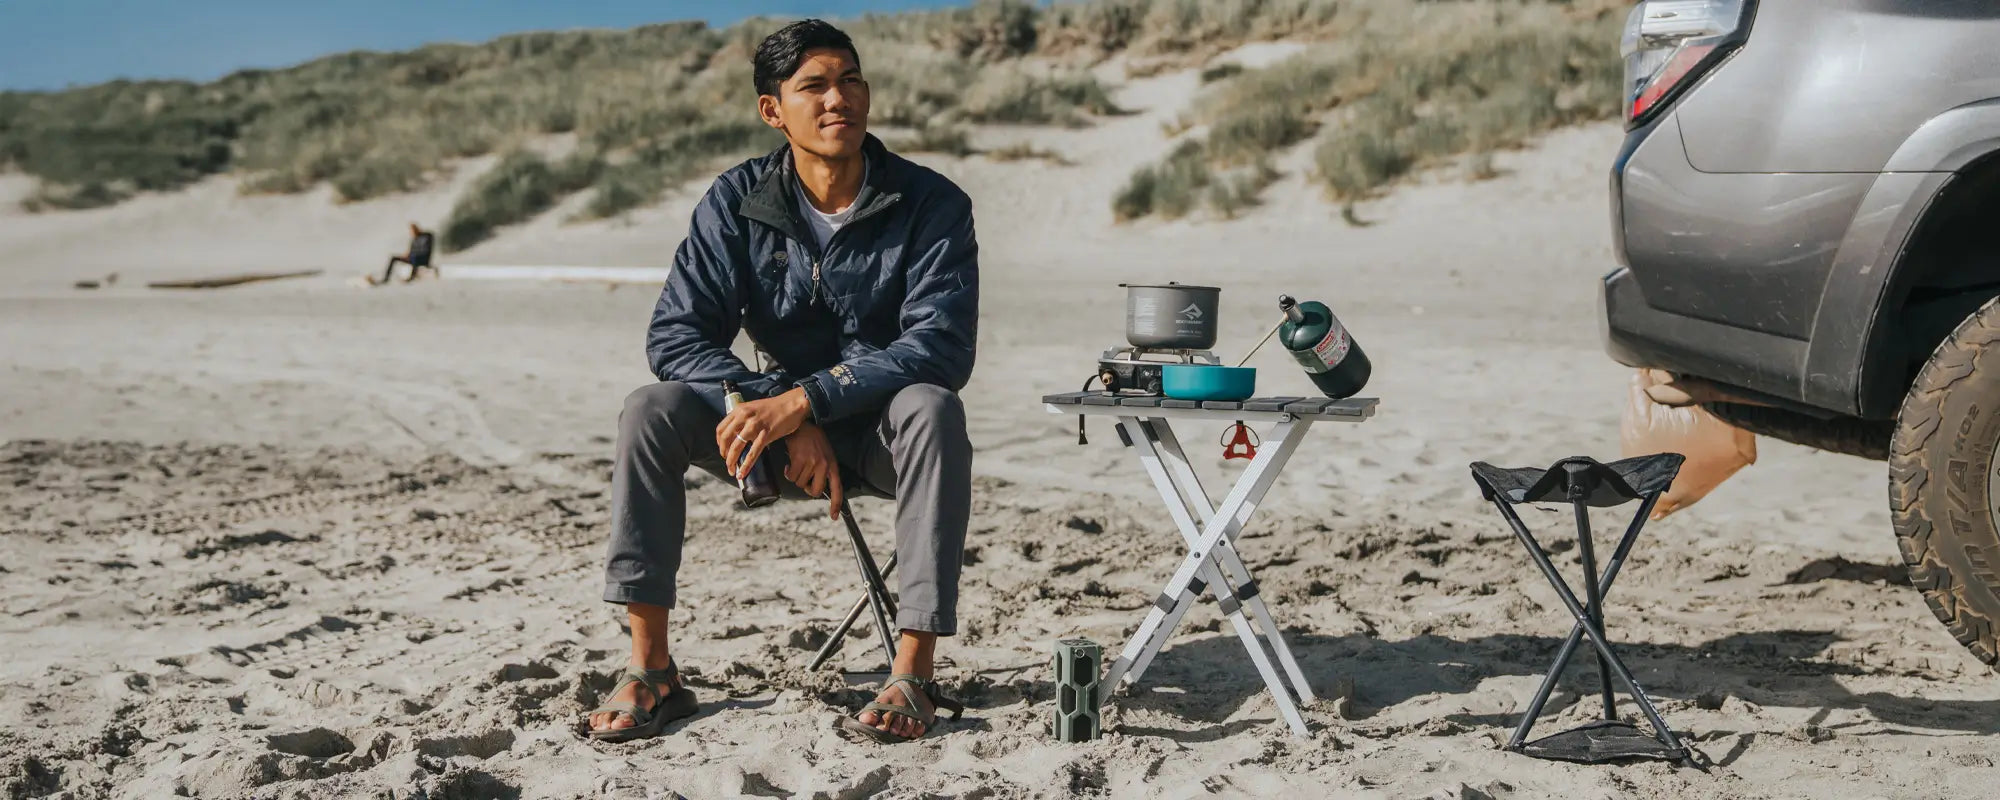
(1078, 665)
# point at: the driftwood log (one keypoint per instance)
(230, 280)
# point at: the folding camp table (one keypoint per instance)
(1212, 563)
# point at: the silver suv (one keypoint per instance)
(1806, 212)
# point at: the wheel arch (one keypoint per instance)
(1904, 263)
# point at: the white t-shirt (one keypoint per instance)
(823, 225)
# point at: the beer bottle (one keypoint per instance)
(758, 487)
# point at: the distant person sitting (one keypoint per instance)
(419, 257)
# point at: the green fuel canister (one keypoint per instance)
(1322, 345)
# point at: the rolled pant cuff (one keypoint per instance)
(909, 619)
(622, 594)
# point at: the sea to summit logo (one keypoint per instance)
(1192, 312)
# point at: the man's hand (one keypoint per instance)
(813, 466)
(743, 435)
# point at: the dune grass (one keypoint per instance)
(1012, 96)
(1170, 188)
(946, 139)
(665, 102)
(682, 154)
(1024, 151)
(521, 186)
(1476, 95)
(1403, 91)
(1152, 28)
(1188, 179)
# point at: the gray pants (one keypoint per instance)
(915, 451)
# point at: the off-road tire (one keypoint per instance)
(1939, 462)
(1866, 438)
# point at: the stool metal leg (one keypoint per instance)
(832, 645)
(878, 594)
(1230, 517)
(1590, 632)
(1596, 599)
(1575, 637)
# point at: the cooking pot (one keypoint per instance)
(1170, 316)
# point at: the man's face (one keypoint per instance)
(822, 108)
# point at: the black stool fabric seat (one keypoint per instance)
(1584, 483)
(1602, 485)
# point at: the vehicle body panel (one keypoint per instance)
(1838, 85)
(1762, 220)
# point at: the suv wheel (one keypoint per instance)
(1943, 487)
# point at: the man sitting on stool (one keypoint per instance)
(857, 272)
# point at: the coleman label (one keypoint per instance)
(1326, 355)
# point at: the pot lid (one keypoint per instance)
(1169, 285)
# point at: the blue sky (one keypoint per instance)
(50, 44)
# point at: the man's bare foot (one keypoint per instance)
(915, 653)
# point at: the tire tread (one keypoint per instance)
(1917, 424)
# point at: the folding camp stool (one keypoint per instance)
(1209, 530)
(1583, 483)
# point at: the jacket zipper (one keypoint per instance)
(820, 256)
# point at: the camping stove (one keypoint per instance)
(1136, 370)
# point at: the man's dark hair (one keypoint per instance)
(781, 53)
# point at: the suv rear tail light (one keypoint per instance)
(1669, 43)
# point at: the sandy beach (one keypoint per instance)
(310, 539)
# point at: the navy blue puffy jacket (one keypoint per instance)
(894, 300)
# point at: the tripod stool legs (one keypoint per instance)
(876, 597)
(867, 598)
(1588, 626)
(1575, 638)
(878, 594)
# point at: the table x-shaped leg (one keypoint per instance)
(1212, 562)
(1181, 475)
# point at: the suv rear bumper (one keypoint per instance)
(1638, 335)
